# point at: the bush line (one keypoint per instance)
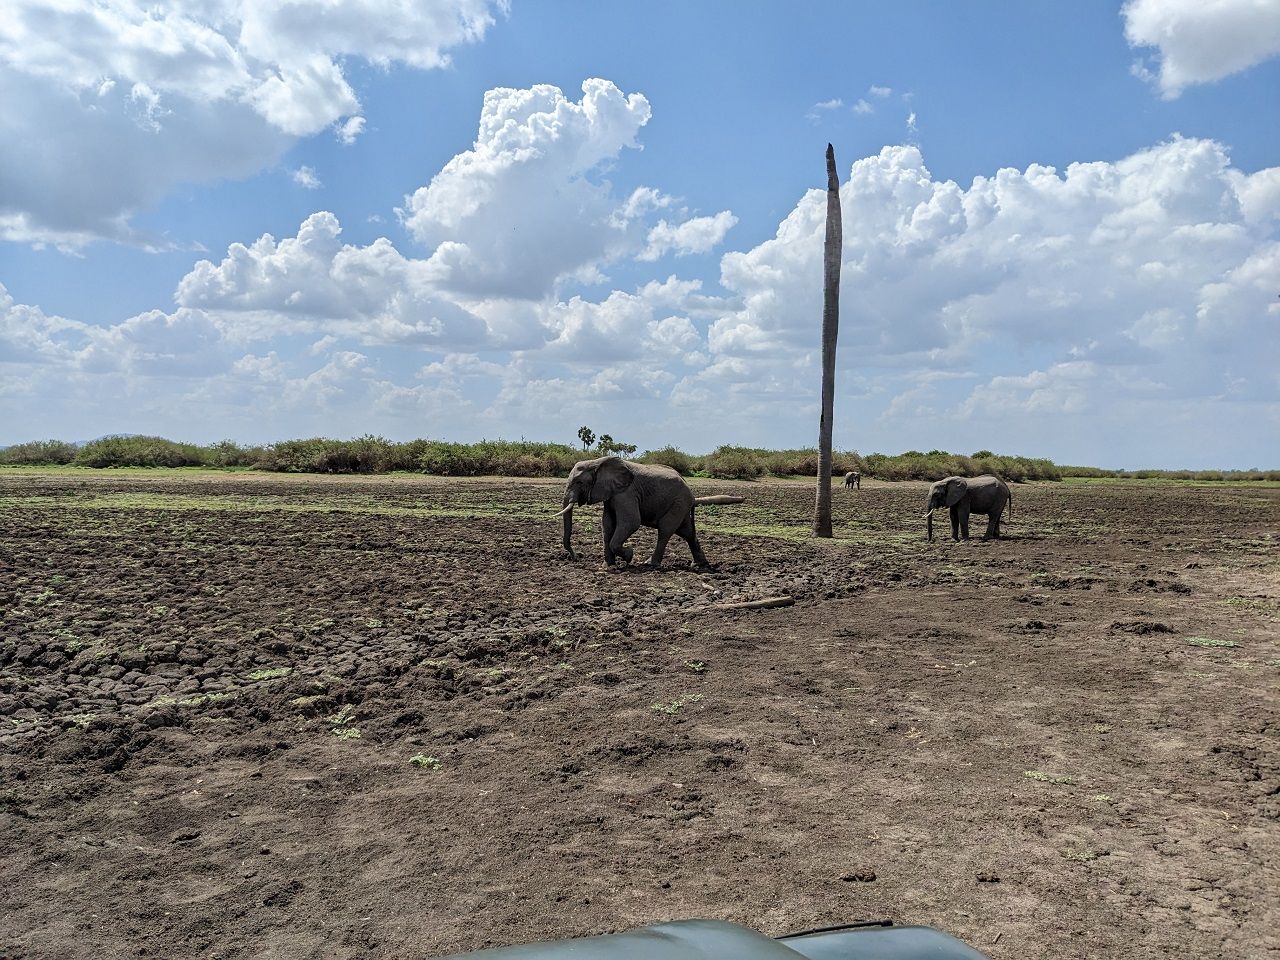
(523, 458)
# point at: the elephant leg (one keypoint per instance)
(607, 524)
(964, 522)
(690, 534)
(667, 525)
(626, 522)
(993, 527)
(660, 547)
(955, 523)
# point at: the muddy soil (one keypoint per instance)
(253, 716)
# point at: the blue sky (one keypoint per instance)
(643, 255)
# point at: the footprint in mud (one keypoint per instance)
(1032, 626)
(1152, 585)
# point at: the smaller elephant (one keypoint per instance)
(853, 479)
(986, 494)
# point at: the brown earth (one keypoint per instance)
(213, 688)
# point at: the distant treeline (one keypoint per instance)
(522, 458)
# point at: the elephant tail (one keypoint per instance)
(717, 500)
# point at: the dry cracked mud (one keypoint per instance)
(250, 716)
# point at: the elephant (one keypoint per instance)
(635, 495)
(853, 479)
(986, 494)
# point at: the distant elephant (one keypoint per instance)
(985, 494)
(635, 495)
(853, 479)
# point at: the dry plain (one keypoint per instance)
(245, 715)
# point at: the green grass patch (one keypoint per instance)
(424, 761)
(268, 673)
(1082, 855)
(345, 714)
(675, 706)
(268, 504)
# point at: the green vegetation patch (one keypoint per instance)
(1081, 855)
(421, 760)
(371, 454)
(268, 673)
(675, 706)
(264, 504)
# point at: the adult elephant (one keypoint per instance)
(963, 496)
(635, 495)
(853, 479)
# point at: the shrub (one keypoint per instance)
(936, 464)
(497, 457)
(299, 456)
(506, 457)
(137, 451)
(38, 452)
(676, 459)
(449, 460)
(734, 463)
(228, 453)
(367, 454)
(523, 458)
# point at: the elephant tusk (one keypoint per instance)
(563, 512)
(928, 515)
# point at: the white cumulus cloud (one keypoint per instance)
(1149, 277)
(1200, 41)
(524, 206)
(313, 282)
(110, 103)
(349, 130)
(696, 235)
(305, 177)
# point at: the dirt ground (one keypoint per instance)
(256, 716)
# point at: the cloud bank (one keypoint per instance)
(1112, 306)
(110, 104)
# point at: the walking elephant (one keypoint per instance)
(853, 479)
(635, 495)
(986, 494)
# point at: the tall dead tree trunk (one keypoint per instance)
(831, 252)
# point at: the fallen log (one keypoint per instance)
(764, 604)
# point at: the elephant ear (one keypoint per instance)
(612, 477)
(956, 488)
